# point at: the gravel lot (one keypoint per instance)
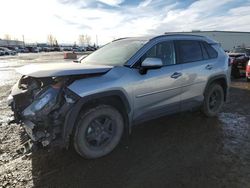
(184, 150)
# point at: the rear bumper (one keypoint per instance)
(248, 74)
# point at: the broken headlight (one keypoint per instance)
(45, 100)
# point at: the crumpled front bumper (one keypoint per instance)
(10, 100)
(44, 126)
(29, 126)
(36, 135)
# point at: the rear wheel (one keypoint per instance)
(213, 100)
(98, 131)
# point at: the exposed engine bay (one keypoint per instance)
(41, 104)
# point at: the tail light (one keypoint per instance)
(248, 69)
(230, 61)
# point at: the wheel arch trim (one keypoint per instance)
(72, 115)
(216, 78)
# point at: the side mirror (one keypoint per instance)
(150, 63)
(80, 59)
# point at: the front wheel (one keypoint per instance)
(98, 131)
(213, 100)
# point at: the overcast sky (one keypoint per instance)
(110, 19)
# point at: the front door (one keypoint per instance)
(158, 91)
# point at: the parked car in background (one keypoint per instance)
(66, 48)
(56, 49)
(32, 49)
(240, 57)
(45, 49)
(91, 48)
(2, 52)
(245, 51)
(12, 48)
(8, 51)
(22, 50)
(91, 104)
(248, 71)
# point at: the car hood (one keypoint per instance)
(61, 69)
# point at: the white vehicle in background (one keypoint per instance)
(8, 51)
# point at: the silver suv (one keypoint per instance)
(94, 102)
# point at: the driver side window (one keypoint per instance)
(164, 50)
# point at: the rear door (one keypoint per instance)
(198, 63)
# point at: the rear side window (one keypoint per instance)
(189, 51)
(212, 53)
(204, 51)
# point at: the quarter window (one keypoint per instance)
(189, 51)
(210, 50)
(204, 51)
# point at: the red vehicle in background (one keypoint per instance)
(240, 58)
(248, 71)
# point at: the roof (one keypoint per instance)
(153, 37)
(199, 31)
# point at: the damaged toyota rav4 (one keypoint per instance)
(94, 102)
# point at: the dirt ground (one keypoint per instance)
(184, 150)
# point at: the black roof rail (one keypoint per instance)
(180, 34)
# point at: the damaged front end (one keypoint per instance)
(41, 104)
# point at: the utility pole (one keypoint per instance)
(23, 41)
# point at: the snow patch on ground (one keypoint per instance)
(5, 119)
(232, 119)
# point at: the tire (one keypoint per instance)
(213, 100)
(98, 131)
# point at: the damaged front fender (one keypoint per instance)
(41, 104)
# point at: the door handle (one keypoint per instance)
(209, 67)
(176, 75)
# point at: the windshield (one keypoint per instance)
(248, 52)
(116, 53)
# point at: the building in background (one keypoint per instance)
(227, 39)
(11, 43)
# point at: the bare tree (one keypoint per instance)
(51, 40)
(243, 45)
(87, 39)
(7, 37)
(81, 40)
(84, 39)
(55, 43)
